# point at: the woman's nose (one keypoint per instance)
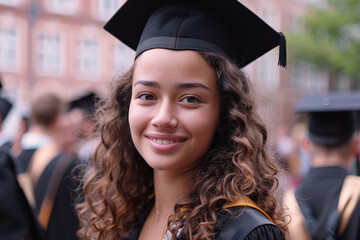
(165, 116)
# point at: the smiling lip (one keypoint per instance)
(164, 142)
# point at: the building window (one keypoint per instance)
(11, 2)
(7, 49)
(306, 77)
(123, 57)
(49, 54)
(268, 77)
(107, 8)
(295, 24)
(88, 62)
(63, 6)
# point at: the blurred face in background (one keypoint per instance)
(66, 133)
(85, 124)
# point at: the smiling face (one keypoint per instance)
(174, 108)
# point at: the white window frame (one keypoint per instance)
(8, 49)
(64, 6)
(123, 57)
(88, 58)
(11, 2)
(50, 54)
(307, 77)
(107, 8)
(267, 71)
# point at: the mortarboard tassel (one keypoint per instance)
(282, 51)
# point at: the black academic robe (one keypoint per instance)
(231, 224)
(16, 218)
(318, 197)
(63, 221)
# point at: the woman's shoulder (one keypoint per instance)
(249, 224)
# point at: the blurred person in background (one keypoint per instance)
(355, 166)
(326, 204)
(14, 145)
(66, 134)
(300, 156)
(45, 172)
(5, 107)
(294, 160)
(82, 112)
(284, 150)
(16, 219)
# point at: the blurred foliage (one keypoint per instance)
(331, 37)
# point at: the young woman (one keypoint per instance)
(183, 153)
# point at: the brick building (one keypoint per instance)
(58, 44)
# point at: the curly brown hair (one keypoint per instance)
(118, 182)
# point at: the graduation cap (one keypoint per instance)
(219, 26)
(332, 117)
(5, 107)
(86, 102)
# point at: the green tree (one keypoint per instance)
(331, 38)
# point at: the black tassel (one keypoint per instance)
(282, 50)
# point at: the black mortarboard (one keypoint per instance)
(5, 107)
(332, 118)
(86, 102)
(220, 26)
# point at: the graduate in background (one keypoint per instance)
(17, 221)
(82, 111)
(326, 204)
(16, 218)
(46, 173)
(5, 107)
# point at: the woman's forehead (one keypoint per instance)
(176, 69)
(157, 60)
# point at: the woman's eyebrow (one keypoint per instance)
(179, 86)
(192, 85)
(147, 83)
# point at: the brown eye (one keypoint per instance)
(191, 99)
(147, 97)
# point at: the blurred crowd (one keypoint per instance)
(41, 164)
(293, 156)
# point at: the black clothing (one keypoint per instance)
(264, 232)
(248, 224)
(16, 218)
(63, 222)
(7, 146)
(23, 160)
(318, 197)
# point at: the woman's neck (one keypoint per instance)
(169, 189)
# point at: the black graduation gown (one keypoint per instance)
(16, 218)
(63, 222)
(318, 197)
(263, 232)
